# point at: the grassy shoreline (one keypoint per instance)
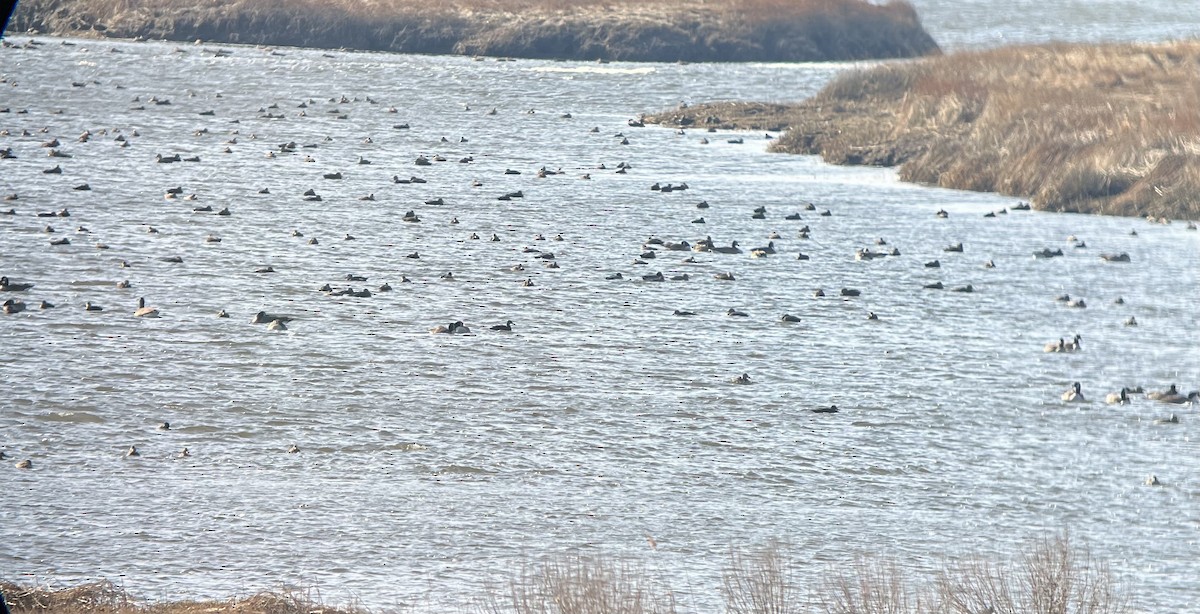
(1050, 576)
(1110, 129)
(654, 30)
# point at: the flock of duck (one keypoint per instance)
(30, 145)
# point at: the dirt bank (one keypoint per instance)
(656, 30)
(1112, 129)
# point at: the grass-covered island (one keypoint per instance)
(1112, 129)
(649, 30)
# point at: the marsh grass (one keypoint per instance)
(653, 30)
(1052, 576)
(104, 597)
(1111, 129)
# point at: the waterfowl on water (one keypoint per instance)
(24, 464)
(787, 317)
(1118, 398)
(736, 313)
(277, 325)
(88, 306)
(1172, 419)
(832, 409)
(726, 276)
(742, 379)
(6, 285)
(132, 451)
(143, 311)
(1074, 394)
(13, 305)
(507, 326)
(263, 317)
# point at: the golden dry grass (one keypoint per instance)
(1051, 576)
(106, 598)
(1111, 129)
(654, 30)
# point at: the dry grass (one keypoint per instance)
(654, 30)
(760, 582)
(584, 586)
(1053, 576)
(1111, 129)
(106, 598)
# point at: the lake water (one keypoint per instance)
(433, 466)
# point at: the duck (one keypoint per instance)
(132, 451)
(850, 292)
(1132, 321)
(957, 247)
(277, 324)
(1179, 398)
(1172, 419)
(293, 449)
(143, 311)
(6, 285)
(1152, 480)
(726, 276)
(263, 317)
(742, 379)
(88, 306)
(1056, 346)
(683, 313)
(787, 317)
(1121, 257)
(183, 453)
(24, 464)
(1118, 398)
(13, 305)
(736, 313)
(507, 326)
(1074, 394)
(446, 328)
(732, 249)
(832, 409)
(1074, 345)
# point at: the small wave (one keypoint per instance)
(599, 70)
(75, 417)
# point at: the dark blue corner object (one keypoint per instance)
(6, 9)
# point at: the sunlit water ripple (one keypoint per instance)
(435, 465)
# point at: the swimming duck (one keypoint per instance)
(653, 277)
(88, 306)
(263, 317)
(957, 247)
(732, 249)
(742, 379)
(6, 285)
(24, 464)
(445, 328)
(1121, 257)
(143, 311)
(13, 305)
(787, 317)
(1118, 398)
(736, 313)
(1152, 480)
(933, 264)
(832, 409)
(726, 276)
(507, 326)
(293, 449)
(1132, 321)
(871, 315)
(683, 313)
(277, 325)
(850, 292)
(132, 451)
(1074, 394)
(183, 453)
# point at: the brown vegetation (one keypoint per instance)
(1052, 577)
(1111, 129)
(652, 30)
(107, 598)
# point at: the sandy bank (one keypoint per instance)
(658, 30)
(1111, 129)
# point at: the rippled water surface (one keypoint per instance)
(432, 465)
